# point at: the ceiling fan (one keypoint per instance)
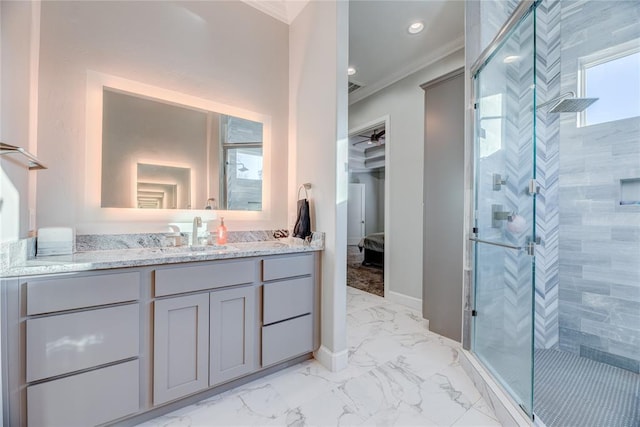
(376, 136)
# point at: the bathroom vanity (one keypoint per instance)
(119, 337)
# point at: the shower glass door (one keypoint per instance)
(505, 212)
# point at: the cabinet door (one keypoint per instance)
(180, 347)
(233, 329)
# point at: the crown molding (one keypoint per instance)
(283, 10)
(431, 58)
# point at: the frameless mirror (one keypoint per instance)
(158, 154)
(163, 187)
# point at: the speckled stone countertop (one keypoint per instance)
(119, 258)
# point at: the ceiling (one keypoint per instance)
(380, 47)
(382, 50)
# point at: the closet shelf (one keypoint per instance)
(33, 162)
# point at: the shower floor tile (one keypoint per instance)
(574, 391)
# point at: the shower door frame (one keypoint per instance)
(524, 8)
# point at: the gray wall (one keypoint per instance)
(443, 206)
(403, 104)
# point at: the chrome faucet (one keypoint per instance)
(197, 223)
(175, 234)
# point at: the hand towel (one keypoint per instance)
(302, 229)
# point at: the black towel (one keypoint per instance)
(302, 229)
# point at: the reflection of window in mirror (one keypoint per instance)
(241, 188)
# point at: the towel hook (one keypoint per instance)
(304, 187)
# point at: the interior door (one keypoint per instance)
(356, 214)
(505, 194)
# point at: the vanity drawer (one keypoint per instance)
(49, 295)
(86, 399)
(289, 266)
(69, 342)
(287, 339)
(177, 280)
(286, 299)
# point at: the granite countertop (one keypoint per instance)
(119, 258)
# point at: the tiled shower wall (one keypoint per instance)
(547, 143)
(588, 266)
(599, 240)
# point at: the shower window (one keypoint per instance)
(613, 76)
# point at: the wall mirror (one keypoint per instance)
(154, 149)
(162, 155)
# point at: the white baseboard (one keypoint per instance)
(332, 361)
(411, 302)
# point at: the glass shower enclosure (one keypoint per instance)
(556, 213)
(504, 232)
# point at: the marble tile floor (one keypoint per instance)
(399, 374)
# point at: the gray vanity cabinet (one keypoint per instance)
(206, 337)
(288, 307)
(180, 346)
(81, 348)
(202, 340)
(232, 334)
(112, 346)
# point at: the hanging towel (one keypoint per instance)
(302, 229)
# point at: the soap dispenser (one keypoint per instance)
(221, 233)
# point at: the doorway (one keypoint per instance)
(366, 208)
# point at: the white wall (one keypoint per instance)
(16, 106)
(318, 142)
(374, 198)
(227, 52)
(403, 102)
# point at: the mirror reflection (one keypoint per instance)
(163, 187)
(162, 155)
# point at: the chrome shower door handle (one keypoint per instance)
(502, 245)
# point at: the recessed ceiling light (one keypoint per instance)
(511, 58)
(351, 71)
(415, 28)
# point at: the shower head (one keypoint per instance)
(572, 105)
(568, 103)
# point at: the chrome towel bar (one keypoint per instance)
(33, 162)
